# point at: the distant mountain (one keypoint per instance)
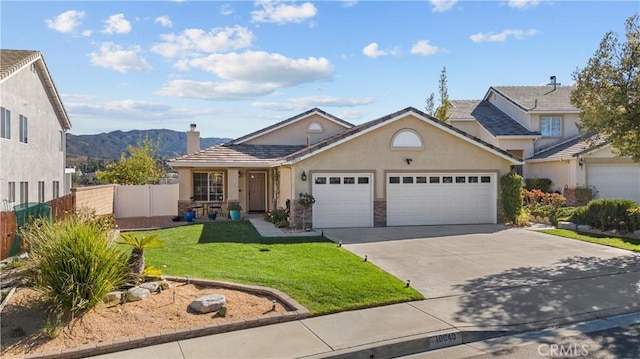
(111, 145)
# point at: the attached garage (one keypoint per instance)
(342, 200)
(615, 181)
(441, 198)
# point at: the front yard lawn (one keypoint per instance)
(314, 271)
(618, 242)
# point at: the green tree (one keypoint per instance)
(442, 111)
(141, 166)
(608, 91)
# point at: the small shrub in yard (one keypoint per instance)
(511, 191)
(279, 218)
(543, 204)
(74, 264)
(634, 218)
(606, 214)
(564, 213)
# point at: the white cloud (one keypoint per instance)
(226, 10)
(218, 91)
(442, 5)
(281, 12)
(264, 68)
(86, 33)
(116, 24)
(196, 41)
(115, 57)
(164, 21)
(372, 50)
(349, 3)
(301, 103)
(423, 47)
(523, 4)
(502, 36)
(66, 22)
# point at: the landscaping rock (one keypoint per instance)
(136, 293)
(165, 284)
(150, 286)
(584, 228)
(208, 303)
(113, 297)
(567, 225)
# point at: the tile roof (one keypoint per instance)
(572, 148)
(292, 119)
(360, 128)
(547, 98)
(12, 60)
(490, 117)
(230, 154)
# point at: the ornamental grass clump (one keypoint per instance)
(74, 265)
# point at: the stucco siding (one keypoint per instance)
(557, 171)
(526, 145)
(296, 133)
(372, 152)
(42, 158)
(470, 127)
(511, 109)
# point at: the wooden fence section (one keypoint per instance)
(8, 233)
(62, 205)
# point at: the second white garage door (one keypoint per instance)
(342, 200)
(441, 198)
(615, 181)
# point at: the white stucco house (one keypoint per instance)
(33, 123)
(539, 124)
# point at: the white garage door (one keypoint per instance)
(342, 200)
(446, 198)
(615, 181)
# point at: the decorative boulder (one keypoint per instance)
(150, 286)
(136, 293)
(584, 227)
(567, 225)
(113, 297)
(208, 303)
(165, 284)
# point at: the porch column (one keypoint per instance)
(233, 194)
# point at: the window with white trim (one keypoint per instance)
(11, 196)
(406, 139)
(208, 186)
(40, 191)
(315, 127)
(5, 123)
(23, 129)
(24, 192)
(551, 126)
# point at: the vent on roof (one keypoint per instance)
(553, 82)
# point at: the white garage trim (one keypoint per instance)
(441, 198)
(342, 200)
(615, 181)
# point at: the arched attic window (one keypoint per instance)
(407, 140)
(315, 127)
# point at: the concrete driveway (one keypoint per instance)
(449, 260)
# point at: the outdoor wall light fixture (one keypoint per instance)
(408, 160)
(581, 162)
(304, 176)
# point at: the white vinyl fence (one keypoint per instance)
(146, 201)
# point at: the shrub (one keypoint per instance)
(542, 184)
(634, 218)
(279, 218)
(543, 204)
(606, 214)
(511, 189)
(74, 264)
(585, 194)
(564, 213)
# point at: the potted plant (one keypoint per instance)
(212, 214)
(234, 209)
(189, 214)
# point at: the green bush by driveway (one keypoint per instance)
(314, 271)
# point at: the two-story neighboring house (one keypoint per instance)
(539, 124)
(33, 123)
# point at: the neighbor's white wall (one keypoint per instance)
(40, 159)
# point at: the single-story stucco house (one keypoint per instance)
(406, 168)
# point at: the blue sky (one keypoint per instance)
(233, 67)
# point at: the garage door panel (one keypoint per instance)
(465, 201)
(343, 203)
(615, 181)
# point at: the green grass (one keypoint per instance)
(618, 242)
(314, 271)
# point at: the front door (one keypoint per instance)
(257, 191)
